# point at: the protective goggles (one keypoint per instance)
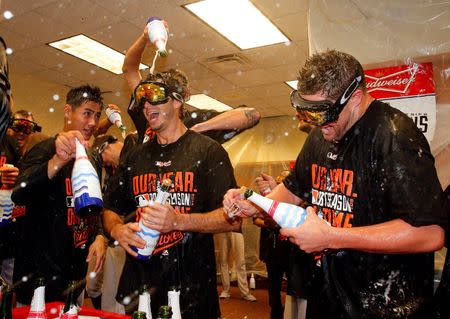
(320, 113)
(154, 93)
(25, 126)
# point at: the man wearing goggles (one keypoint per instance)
(185, 252)
(377, 212)
(21, 127)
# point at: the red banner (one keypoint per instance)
(400, 81)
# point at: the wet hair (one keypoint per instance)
(23, 114)
(81, 94)
(177, 81)
(329, 73)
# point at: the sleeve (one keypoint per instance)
(33, 176)
(412, 190)
(219, 176)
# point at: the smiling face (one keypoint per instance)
(21, 136)
(83, 118)
(163, 115)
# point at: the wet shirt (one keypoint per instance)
(381, 170)
(56, 239)
(201, 172)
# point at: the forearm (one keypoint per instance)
(110, 220)
(395, 236)
(282, 194)
(236, 119)
(54, 166)
(212, 222)
(132, 60)
(103, 127)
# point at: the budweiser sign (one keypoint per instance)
(409, 88)
(400, 81)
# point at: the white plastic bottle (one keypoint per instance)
(173, 297)
(252, 283)
(145, 302)
(284, 214)
(115, 118)
(151, 236)
(87, 193)
(158, 34)
(37, 308)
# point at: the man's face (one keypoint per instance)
(84, 118)
(160, 116)
(21, 136)
(111, 154)
(333, 131)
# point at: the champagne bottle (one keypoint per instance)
(157, 32)
(286, 215)
(139, 315)
(87, 194)
(151, 236)
(7, 302)
(173, 296)
(70, 310)
(145, 302)
(115, 118)
(165, 312)
(37, 308)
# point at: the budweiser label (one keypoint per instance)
(409, 88)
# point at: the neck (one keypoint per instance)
(172, 133)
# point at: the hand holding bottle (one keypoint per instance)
(113, 113)
(158, 34)
(235, 206)
(314, 235)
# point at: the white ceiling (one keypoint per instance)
(257, 83)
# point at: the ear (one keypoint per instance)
(67, 110)
(357, 97)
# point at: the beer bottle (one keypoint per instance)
(165, 312)
(70, 309)
(145, 301)
(151, 236)
(139, 315)
(284, 214)
(7, 300)
(37, 308)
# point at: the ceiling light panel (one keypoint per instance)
(239, 21)
(205, 102)
(93, 52)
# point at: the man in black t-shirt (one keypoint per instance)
(201, 172)
(57, 243)
(369, 173)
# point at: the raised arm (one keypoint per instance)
(236, 119)
(132, 60)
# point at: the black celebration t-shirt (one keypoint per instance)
(201, 172)
(56, 240)
(382, 169)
